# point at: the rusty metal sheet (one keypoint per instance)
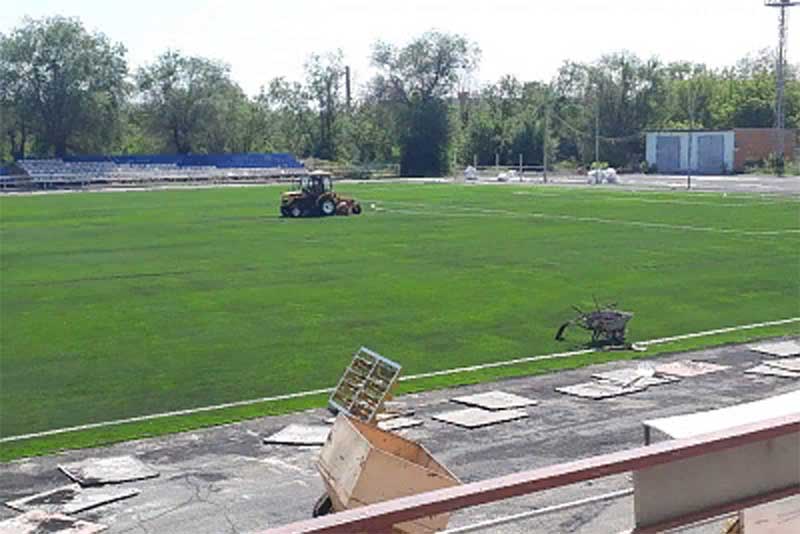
(495, 400)
(476, 417)
(71, 499)
(39, 522)
(112, 470)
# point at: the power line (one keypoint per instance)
(613, 140)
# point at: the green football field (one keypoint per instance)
(116, 305)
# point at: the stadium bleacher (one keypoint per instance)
(86, 170)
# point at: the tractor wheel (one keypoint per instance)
(284, 212)
(327, 207)
(356, 209)
(323, 506)
(295, 211)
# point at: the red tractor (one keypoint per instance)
(316, 198)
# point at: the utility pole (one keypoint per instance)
(545, 137)
(597, 134)
(691, 132)
(783, 26)
(347, 86)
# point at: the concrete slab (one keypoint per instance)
(634, 377)
(598, 390)
(787, 364)
(299, 435)
(769, 370)
(112, 470)
(689, 368)
(39, 522)
(399, 423)
(778, 348)
(476, 417)
(71, 499)
(495, 400)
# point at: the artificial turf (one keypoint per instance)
(115, 305)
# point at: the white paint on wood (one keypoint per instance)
(695, 424)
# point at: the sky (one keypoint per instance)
(263, 39)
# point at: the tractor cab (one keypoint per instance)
(316, 183)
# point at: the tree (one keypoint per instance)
(287, 118)
(323, 79)
(417, 80)
(506, 119)
(63, 82)
(190, 103)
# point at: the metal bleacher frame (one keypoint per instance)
(143, 170)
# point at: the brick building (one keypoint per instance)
(753, 145)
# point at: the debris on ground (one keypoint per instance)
(39, 522)
(782, 349)
(299, 435)
(769, 370)
(71, 499)
(112, 470)
(495, 400)
(689, 368)
(478, 417)
(598, 390)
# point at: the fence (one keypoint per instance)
(380, 517)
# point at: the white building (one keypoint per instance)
(712, 152)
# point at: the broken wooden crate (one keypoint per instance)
(361, 464)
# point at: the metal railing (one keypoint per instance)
(381, 516)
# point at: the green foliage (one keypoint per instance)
(415, 81)
(63, 83)
(324, 78)
(506, 120)
(64, 89)
(191, 105)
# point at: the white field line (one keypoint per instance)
(456, 370)
(538, 215)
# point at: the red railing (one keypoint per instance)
(381, 516)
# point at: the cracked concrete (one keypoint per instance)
(225, 480)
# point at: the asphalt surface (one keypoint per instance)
(225, 480)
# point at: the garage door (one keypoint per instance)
(668, 153)
(710, 154)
